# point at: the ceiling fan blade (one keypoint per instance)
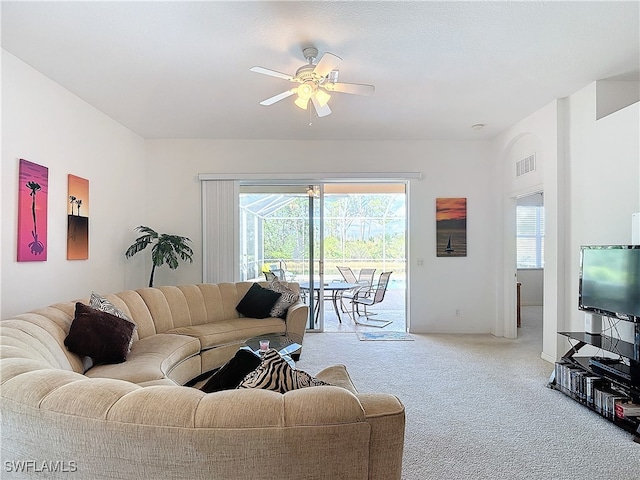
(271, 73)
(328, 62)
(277, 98)
(321, 110)
(352, 88)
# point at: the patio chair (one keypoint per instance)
(349, 277)
(348, 274)
(365, 277)
(364, 280)
(369, 297)
(278, 272)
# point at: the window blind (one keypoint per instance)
(530, 236)
(220, 226)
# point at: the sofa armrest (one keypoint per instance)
(386, 415)
(297, 318)
(337, 375)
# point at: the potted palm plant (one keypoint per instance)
(166, 249)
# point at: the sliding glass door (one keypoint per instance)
(280, 235)
(365, 232)
(303, 233)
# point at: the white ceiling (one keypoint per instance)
(181, 69)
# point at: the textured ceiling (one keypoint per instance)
(181, 69)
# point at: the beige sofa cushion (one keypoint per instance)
(190, 305)
(151, 358)
(231, 331)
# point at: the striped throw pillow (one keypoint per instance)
(274, 373)
(100, 303)
(287, 298)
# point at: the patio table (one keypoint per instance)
(336, 289)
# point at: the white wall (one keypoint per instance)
(45, 124)
(531, 290)
(612, 96)
(450, 169)
(604, 186)
(591, 184)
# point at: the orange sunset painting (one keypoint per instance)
(451, 227)
(77, 218)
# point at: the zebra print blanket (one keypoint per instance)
(274, 373)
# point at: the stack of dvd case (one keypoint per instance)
(596, 392)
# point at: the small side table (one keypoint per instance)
(279, 341)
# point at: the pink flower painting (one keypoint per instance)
(33, 191)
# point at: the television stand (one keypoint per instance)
(599, 383)
(619, 370)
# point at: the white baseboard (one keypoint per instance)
(548, 358)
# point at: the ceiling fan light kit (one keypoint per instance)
(315, 80)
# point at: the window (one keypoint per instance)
(530, 236)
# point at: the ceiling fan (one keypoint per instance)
(316, 81)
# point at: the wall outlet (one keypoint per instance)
(421, 262)
(457, 312)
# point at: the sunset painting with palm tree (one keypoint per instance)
(78, 218)
(33, 191)
(451, 227)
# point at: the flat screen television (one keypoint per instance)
(610, 281)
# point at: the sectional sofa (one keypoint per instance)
(136, 419)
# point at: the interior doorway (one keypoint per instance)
(530, 232)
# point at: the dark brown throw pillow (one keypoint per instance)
(99, 335)
(231, 373)
(258, 302)
(100, 303)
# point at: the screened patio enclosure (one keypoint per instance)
(357, 229)
(303, 232)
(256, 210)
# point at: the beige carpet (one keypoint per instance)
(478, 407)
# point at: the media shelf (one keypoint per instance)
(610, 344)
(600, 385)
